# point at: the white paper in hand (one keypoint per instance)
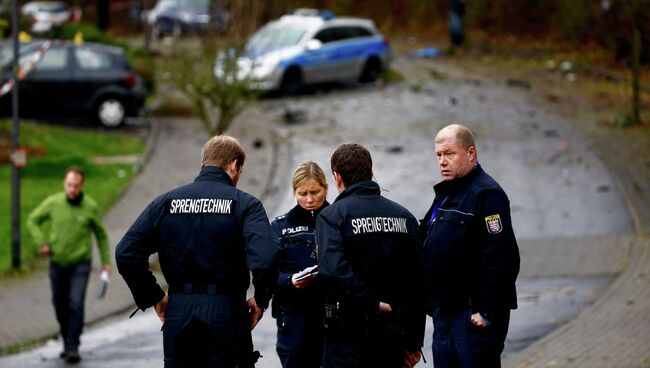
(104, 285)
(307, 272)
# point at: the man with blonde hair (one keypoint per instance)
(208, 236)
(471, 257)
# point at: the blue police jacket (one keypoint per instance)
(369, 251)
(471, 254)
(205, 232)
(296, 232)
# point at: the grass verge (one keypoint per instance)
(53, 150)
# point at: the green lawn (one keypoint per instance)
(61, 148)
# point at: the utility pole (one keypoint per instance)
(15, 178)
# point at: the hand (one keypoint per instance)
(107, 268)
(161, 307)
(412, 358)
(254, 311)
(479, 321)
(302, 283)
(44, 250)
(384, 307)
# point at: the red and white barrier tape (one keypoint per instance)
(22, 72)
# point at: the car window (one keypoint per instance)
(26, 53)
(165, 5)
(196, 5)
(353, 32)
(275, 37)
(52, 7)
(326, 35)
(341, 33)
(54, 59)
(91, 60)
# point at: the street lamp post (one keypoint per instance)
(15, 178)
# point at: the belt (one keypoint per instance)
(195, 288)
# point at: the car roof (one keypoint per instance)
(60, 43)
(41, 3)
(315, 21)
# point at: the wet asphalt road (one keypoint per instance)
(558, 190)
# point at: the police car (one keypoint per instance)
(309, 47)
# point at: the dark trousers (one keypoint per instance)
(68, 296)
(363, 352)
(300, 339)
(457, 342)
(203, 330)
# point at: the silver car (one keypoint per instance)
(47, 14)
(307, 48)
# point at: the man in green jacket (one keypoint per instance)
(62, 225)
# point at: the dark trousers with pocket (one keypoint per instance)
(457, 342)
(362, 341)
(206, 330)
(69, 286)
(300, 339)
(364, 352)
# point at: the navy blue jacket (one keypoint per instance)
(369, 251)
(296, 232)
(471, 254)
(205, 232)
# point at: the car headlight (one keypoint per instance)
(186, 17)
(263, 67)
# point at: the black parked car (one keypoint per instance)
(74, 80)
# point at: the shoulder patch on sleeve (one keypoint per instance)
(493, 224)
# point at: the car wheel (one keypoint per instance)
(111, 112)
(371, 71)
(156, 31)
(291, 81)
(177, 30)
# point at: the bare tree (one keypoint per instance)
(632, 13)
(102, 14)
(636, 66)
(216, 100)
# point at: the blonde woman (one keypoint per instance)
(297, 302)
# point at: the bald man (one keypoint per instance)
(471, 257)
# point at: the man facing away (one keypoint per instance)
(63, 225)
(370, 262)
(208, 235)
(471, 257)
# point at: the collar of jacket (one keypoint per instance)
(367, 187)
(77, 201)
(214, 173)
(301, 215)
(458, 184)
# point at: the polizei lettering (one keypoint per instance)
(200, 206)
(365, 225)
(293, 230)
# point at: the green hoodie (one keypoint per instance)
(70, 226)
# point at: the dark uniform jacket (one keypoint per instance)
(206, 232)
(296, 233)
(369, 251)
(470, 250)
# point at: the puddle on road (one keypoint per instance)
(546, 303)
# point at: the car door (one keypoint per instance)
(353, 47)
(94, 71)
(323, 64)
(47, 88)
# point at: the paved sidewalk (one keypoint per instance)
(613, 332)
(174, 159)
